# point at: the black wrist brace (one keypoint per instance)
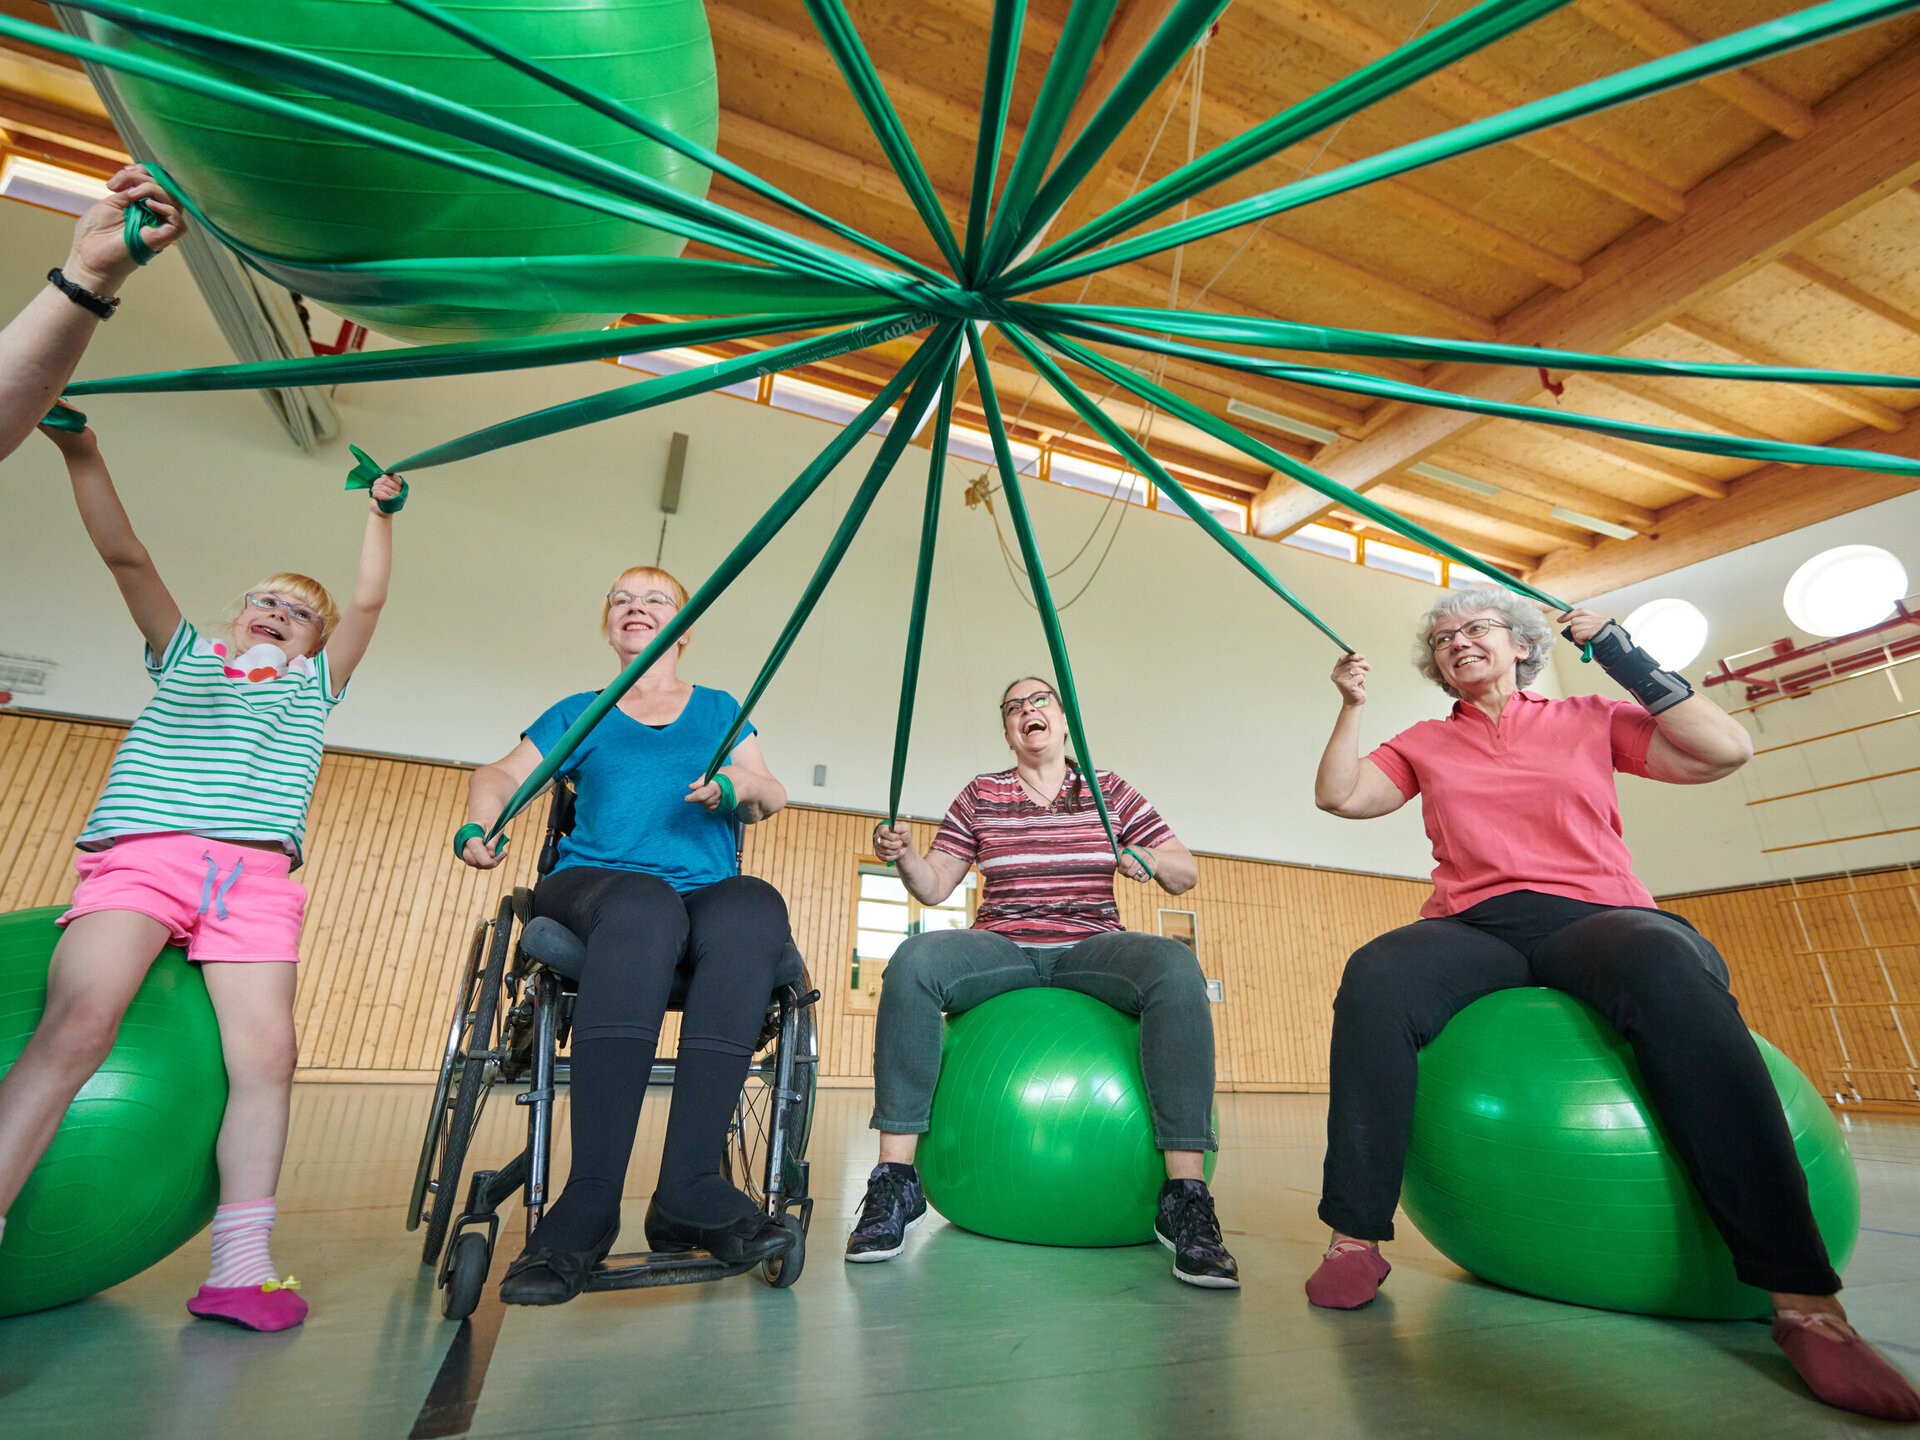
(1634, 670)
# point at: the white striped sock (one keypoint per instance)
(240, 1236)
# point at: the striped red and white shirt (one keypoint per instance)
(1046, 873)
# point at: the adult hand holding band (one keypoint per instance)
(471, 831)
(1634, 670)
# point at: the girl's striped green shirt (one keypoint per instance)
(216, 754)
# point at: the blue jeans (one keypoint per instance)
(950, 971)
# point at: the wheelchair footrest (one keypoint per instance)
(647, 1268)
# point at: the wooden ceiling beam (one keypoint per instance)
(1651, 392)
(1748, 214)
(1539, 485)
(1397, 196)
(1854, 404)
(54, 153)
(75, 132)
(1657, 36)
(1452, 92)
(1770, 501)
(1644, 461)
(1851, 293)
(742, 136)
(1437, 493)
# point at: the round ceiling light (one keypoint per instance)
(1844, 589)
(1673, 631)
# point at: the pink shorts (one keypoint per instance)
(222, 901)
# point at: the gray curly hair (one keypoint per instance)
(1530, 630)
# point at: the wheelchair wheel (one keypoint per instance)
(449, 1074)
(466, 1275)
(477, 1063)
(782, 1270)
(744, 1161)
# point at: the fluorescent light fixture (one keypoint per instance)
(1588, 522)
(53, 187)
(1453, 478)
(1280, 422)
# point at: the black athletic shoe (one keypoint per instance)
(895, 1203)
(1186, 1225)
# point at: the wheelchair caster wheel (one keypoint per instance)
(782, 1270)
(466, 1275)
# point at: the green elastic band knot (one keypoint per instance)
(1586, 653)
(65, 417)
(362, 476)
(138, 218)
(471, 831)
(729, 801)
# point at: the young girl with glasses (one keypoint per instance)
(192, 843)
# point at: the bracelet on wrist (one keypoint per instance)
(89, 300)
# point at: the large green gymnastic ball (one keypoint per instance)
(130, 1176)
(293, 192)
(1041, 1131)
(1536, 1164)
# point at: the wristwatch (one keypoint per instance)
(81, 296)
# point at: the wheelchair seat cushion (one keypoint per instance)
(561, 951)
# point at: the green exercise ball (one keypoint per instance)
(291, 191)
(1536, 1164)
(130, 1176)
(1040, 1125)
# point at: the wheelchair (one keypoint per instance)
(511, 1018)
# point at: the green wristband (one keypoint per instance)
(729, 801)
(362, 476)
(65, 417)
(138, 218)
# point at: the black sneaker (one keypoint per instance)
(1186, 1225)
(895, 1203)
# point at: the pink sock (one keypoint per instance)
(240, 1235)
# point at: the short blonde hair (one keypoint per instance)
(1529, 627)
(306, 590)
(654, 576)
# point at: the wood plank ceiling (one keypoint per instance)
(1765, 216)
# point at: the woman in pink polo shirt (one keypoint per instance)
(1533, 885)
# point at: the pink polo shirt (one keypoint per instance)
(1528, 804)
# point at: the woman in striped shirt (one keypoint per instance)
(1046, 917)
(192, 843)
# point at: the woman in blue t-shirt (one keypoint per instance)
(649, 879)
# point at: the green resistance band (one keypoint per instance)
(729, 801)
(65, 417)
(362, 476)
(1141, 860)
(470, 831)
(139, 217)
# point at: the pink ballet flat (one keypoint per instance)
(275, 1305)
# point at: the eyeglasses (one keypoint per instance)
(1473, 630)
(294, 610)
(1039, 700)
(653, 599)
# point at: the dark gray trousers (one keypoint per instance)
(950, 971)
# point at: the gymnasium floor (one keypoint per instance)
(961, 1336)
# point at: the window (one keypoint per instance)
(1672, 631)
(884, 916)
(673, 362)
(1102, 480)
(1323, 540)
(1414, 564)
(49, 186)
(1844, 589)
(1230, 513)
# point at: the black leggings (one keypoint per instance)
(638, 931)
(1657, 981)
